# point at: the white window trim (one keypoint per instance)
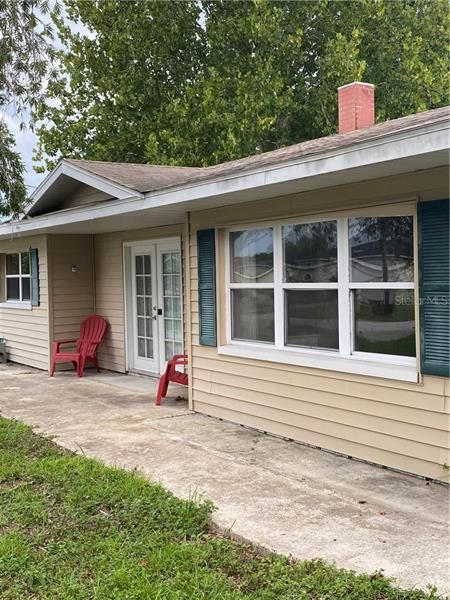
(21, 304)
(17, 305)
(345, 359)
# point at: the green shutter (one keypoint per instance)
(207, 286)
(34, 277)
(434, 286)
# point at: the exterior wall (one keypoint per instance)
(27, 330)
(109, 288)
(85, 194)
(401, 425)
(72, 293)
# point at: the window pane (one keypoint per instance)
(251, 256)
(253, 317)
(12, 264)
(25, 288)
(25, 259)
(312, 318)
(139, 265)
(381, 249)
(310, 252)
(12, 288)
(385, 322)
(139, 285)
(141, 347)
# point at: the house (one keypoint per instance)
(309, 286)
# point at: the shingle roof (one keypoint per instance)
(136, 176)
(146, 178)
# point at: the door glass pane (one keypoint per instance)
(139, 265)
(139, 285)
(253, 315)
(149, 327)
(144, 305)
(141, 326)
(141, 348)
(168, 307)
(167, 260)
(171, 277)
(12, 288)
(310, 252)
(147, 264)
(140, 306)
(167, 285)
(148, 286)
(251, 256)
(176, 304)
(12, 264)
(312, 318)
(25, 260)
(169, 348)
(381, 249)
(385, 322)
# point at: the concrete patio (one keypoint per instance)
(278, 494)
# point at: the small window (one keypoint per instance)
(18, 277)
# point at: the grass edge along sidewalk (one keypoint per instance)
(73, 528)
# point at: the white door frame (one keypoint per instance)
(129, 250)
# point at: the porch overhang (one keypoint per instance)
(410, 150)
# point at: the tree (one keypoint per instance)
(200, 82)
(137, 57)
(25, 62)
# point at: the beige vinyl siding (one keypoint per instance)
(72, 293)
(27, 330)
(401, 425)
(85, 194)
(109, 287)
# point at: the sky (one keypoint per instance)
(25, 142)
(25, 138)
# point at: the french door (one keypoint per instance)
(155, 306)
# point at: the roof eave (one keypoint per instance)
(422, 147)
(83, 176)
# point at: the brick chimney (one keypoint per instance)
(356, 106)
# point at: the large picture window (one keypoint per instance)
(18, 277)
(342, 286)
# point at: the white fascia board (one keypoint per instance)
(406, 144)
(83, 176)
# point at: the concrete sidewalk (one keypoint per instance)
(278, 494)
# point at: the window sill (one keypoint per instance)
(395, 368)
(16, 305)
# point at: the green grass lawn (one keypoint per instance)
(72, 528)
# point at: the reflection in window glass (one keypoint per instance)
(251, 256)
(381, 249)
(12, 264)
(12, 288)
(25, 288)
(385, 322)
(312, 318)
(25, 261)
(253, 315)
(310, 252)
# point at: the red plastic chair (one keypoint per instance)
(171, 374)
(92, 332)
